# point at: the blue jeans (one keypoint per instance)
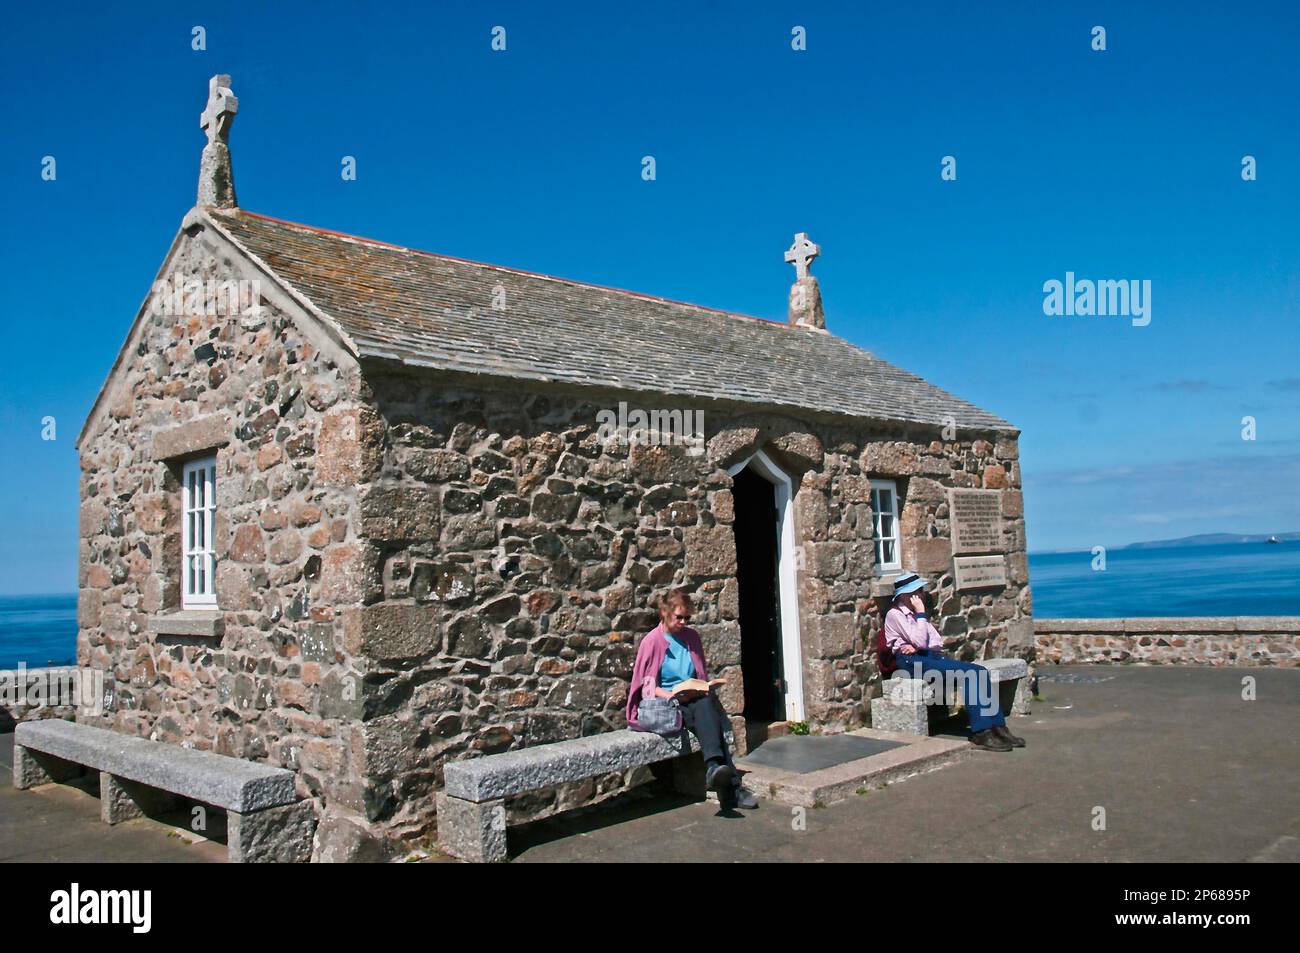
(978, 693)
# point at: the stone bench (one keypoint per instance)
(471, 806)
(907, 702)
(265, 819)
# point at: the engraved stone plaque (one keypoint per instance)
(976, 517)
(979, 572)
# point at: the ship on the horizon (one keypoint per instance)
(1271, 539)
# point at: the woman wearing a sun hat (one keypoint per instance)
(917, 648)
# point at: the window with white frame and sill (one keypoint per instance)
(884, 525)
(198, 556)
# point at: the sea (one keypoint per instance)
(38, 630)
(1226, 579)
(1223, 579)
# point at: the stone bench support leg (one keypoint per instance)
(903, 707)
(472, 831)
(1023, 696)
(276, 835)
(34, 767)
(121, 799)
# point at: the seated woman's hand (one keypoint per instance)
(906, 650)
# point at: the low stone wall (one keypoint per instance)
(1222, 640)
(28, 694)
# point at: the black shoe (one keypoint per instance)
(1005, 734)
(987, 740)
(727, 800)
(720, 778)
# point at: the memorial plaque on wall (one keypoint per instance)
(979, 572)
(976, 518)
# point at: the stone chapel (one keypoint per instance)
(358, 510)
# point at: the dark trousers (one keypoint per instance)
(978, 694)
(703, 718)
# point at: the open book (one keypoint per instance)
(697, 685)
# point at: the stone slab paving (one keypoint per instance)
(833, 784)
(897, 755)
(801, 754)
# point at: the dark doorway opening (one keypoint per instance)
(760, 627)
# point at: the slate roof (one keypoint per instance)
(435, 311)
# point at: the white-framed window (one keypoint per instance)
(198, 558)
(884, 525)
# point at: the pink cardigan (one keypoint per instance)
(649, 657)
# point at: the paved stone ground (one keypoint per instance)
(1185, 769)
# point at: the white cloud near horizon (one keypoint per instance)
(1117, 505)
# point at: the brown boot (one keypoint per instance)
(987, 740)
(1005, 734)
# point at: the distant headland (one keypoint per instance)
(1203, 539)
(1215, 539)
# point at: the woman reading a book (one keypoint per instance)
(670, 664)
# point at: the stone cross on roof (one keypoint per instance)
(220, 112)
(801, 255)
(216, 175)
(805, 309)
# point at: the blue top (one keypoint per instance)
(677, 666)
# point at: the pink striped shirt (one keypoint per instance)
(903, 626)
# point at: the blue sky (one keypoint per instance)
(1122, 164)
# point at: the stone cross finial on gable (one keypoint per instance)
(216, 175)
(220, 112)
(801, 255)
(805, 309)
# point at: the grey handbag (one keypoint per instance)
(663, 716)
